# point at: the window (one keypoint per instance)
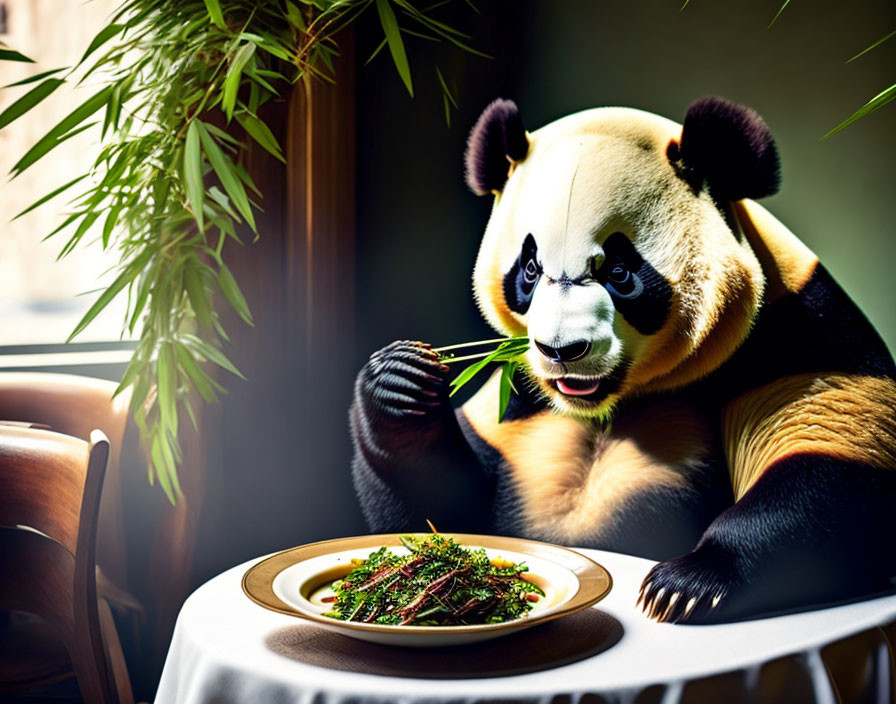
(41, 299)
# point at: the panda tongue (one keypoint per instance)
(565, 388)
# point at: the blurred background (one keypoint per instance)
(274, 454)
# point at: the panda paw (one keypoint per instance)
(403, 383)
(694, 588)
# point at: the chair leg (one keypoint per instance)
(114, 657)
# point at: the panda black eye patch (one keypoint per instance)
(520, 281)
(639, 292)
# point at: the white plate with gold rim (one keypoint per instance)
(295, 581)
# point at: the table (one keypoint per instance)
(228, 650)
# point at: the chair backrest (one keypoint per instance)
(76, 405)
(50, 489)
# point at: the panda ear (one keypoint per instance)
(497, 136)
(730, 148)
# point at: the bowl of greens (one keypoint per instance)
(427, 589)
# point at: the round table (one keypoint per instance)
(226, 649)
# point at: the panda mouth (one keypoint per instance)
(575, 386)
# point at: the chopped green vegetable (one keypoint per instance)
(440, 583)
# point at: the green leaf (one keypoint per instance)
(232, 81)
(775, 18)
(85, 225)
(11, 55)
(232, 293)
(167, 377)
(199, 378)
(294, 16)
(396, 45)
(162, 469)
(134, 368)
(379, 48)
(214, 12)
(29, 100)
(193, 173)
(261, 133)
(105, 34)
(140, 301)
(40, 201)
(109, 224)
(197, 294)
(225, 172)
(213, 354)
(506, 388)
(878, 101)
(130, 272)
(35, 78)
(58, 134)
(873, 46)
(468, 374)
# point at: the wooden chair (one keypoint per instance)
(50, 488)
(75, 405)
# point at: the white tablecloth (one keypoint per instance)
(226, 649)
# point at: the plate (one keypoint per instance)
(295, 581)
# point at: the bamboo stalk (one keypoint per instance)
(439, 350)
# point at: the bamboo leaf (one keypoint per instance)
(29, 100)
(63, 130)
(162, 471)
(225, 172)
(52, 194)
(214, 12)
(294, 16)
(878, 101)
(199, 378)
(167, 376)
(213, 354)
(261, 133)
(775, 18)
(197, 294)
(379, 48)
(468, 374)
(104, 35)
(232, 293)
(124, 278)
(109, 224)
(140, 301)
(396, 45)
(193, 173)
(506, 388)
(232, 81)
(873, 46)
(11, 55)
(85, 225)
(35, 78)
(134, 368)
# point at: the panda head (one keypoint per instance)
(613, 244)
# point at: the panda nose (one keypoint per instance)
(567, 353)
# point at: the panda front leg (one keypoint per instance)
(811, 530)
(411, 461)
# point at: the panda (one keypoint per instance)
(697, 389)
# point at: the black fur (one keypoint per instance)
(411, 462)
(812, 530)
(497, 135)
(729, 147)
(818, 329)
(518, 289)
(646, 308)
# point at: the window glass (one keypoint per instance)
(41, 299)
